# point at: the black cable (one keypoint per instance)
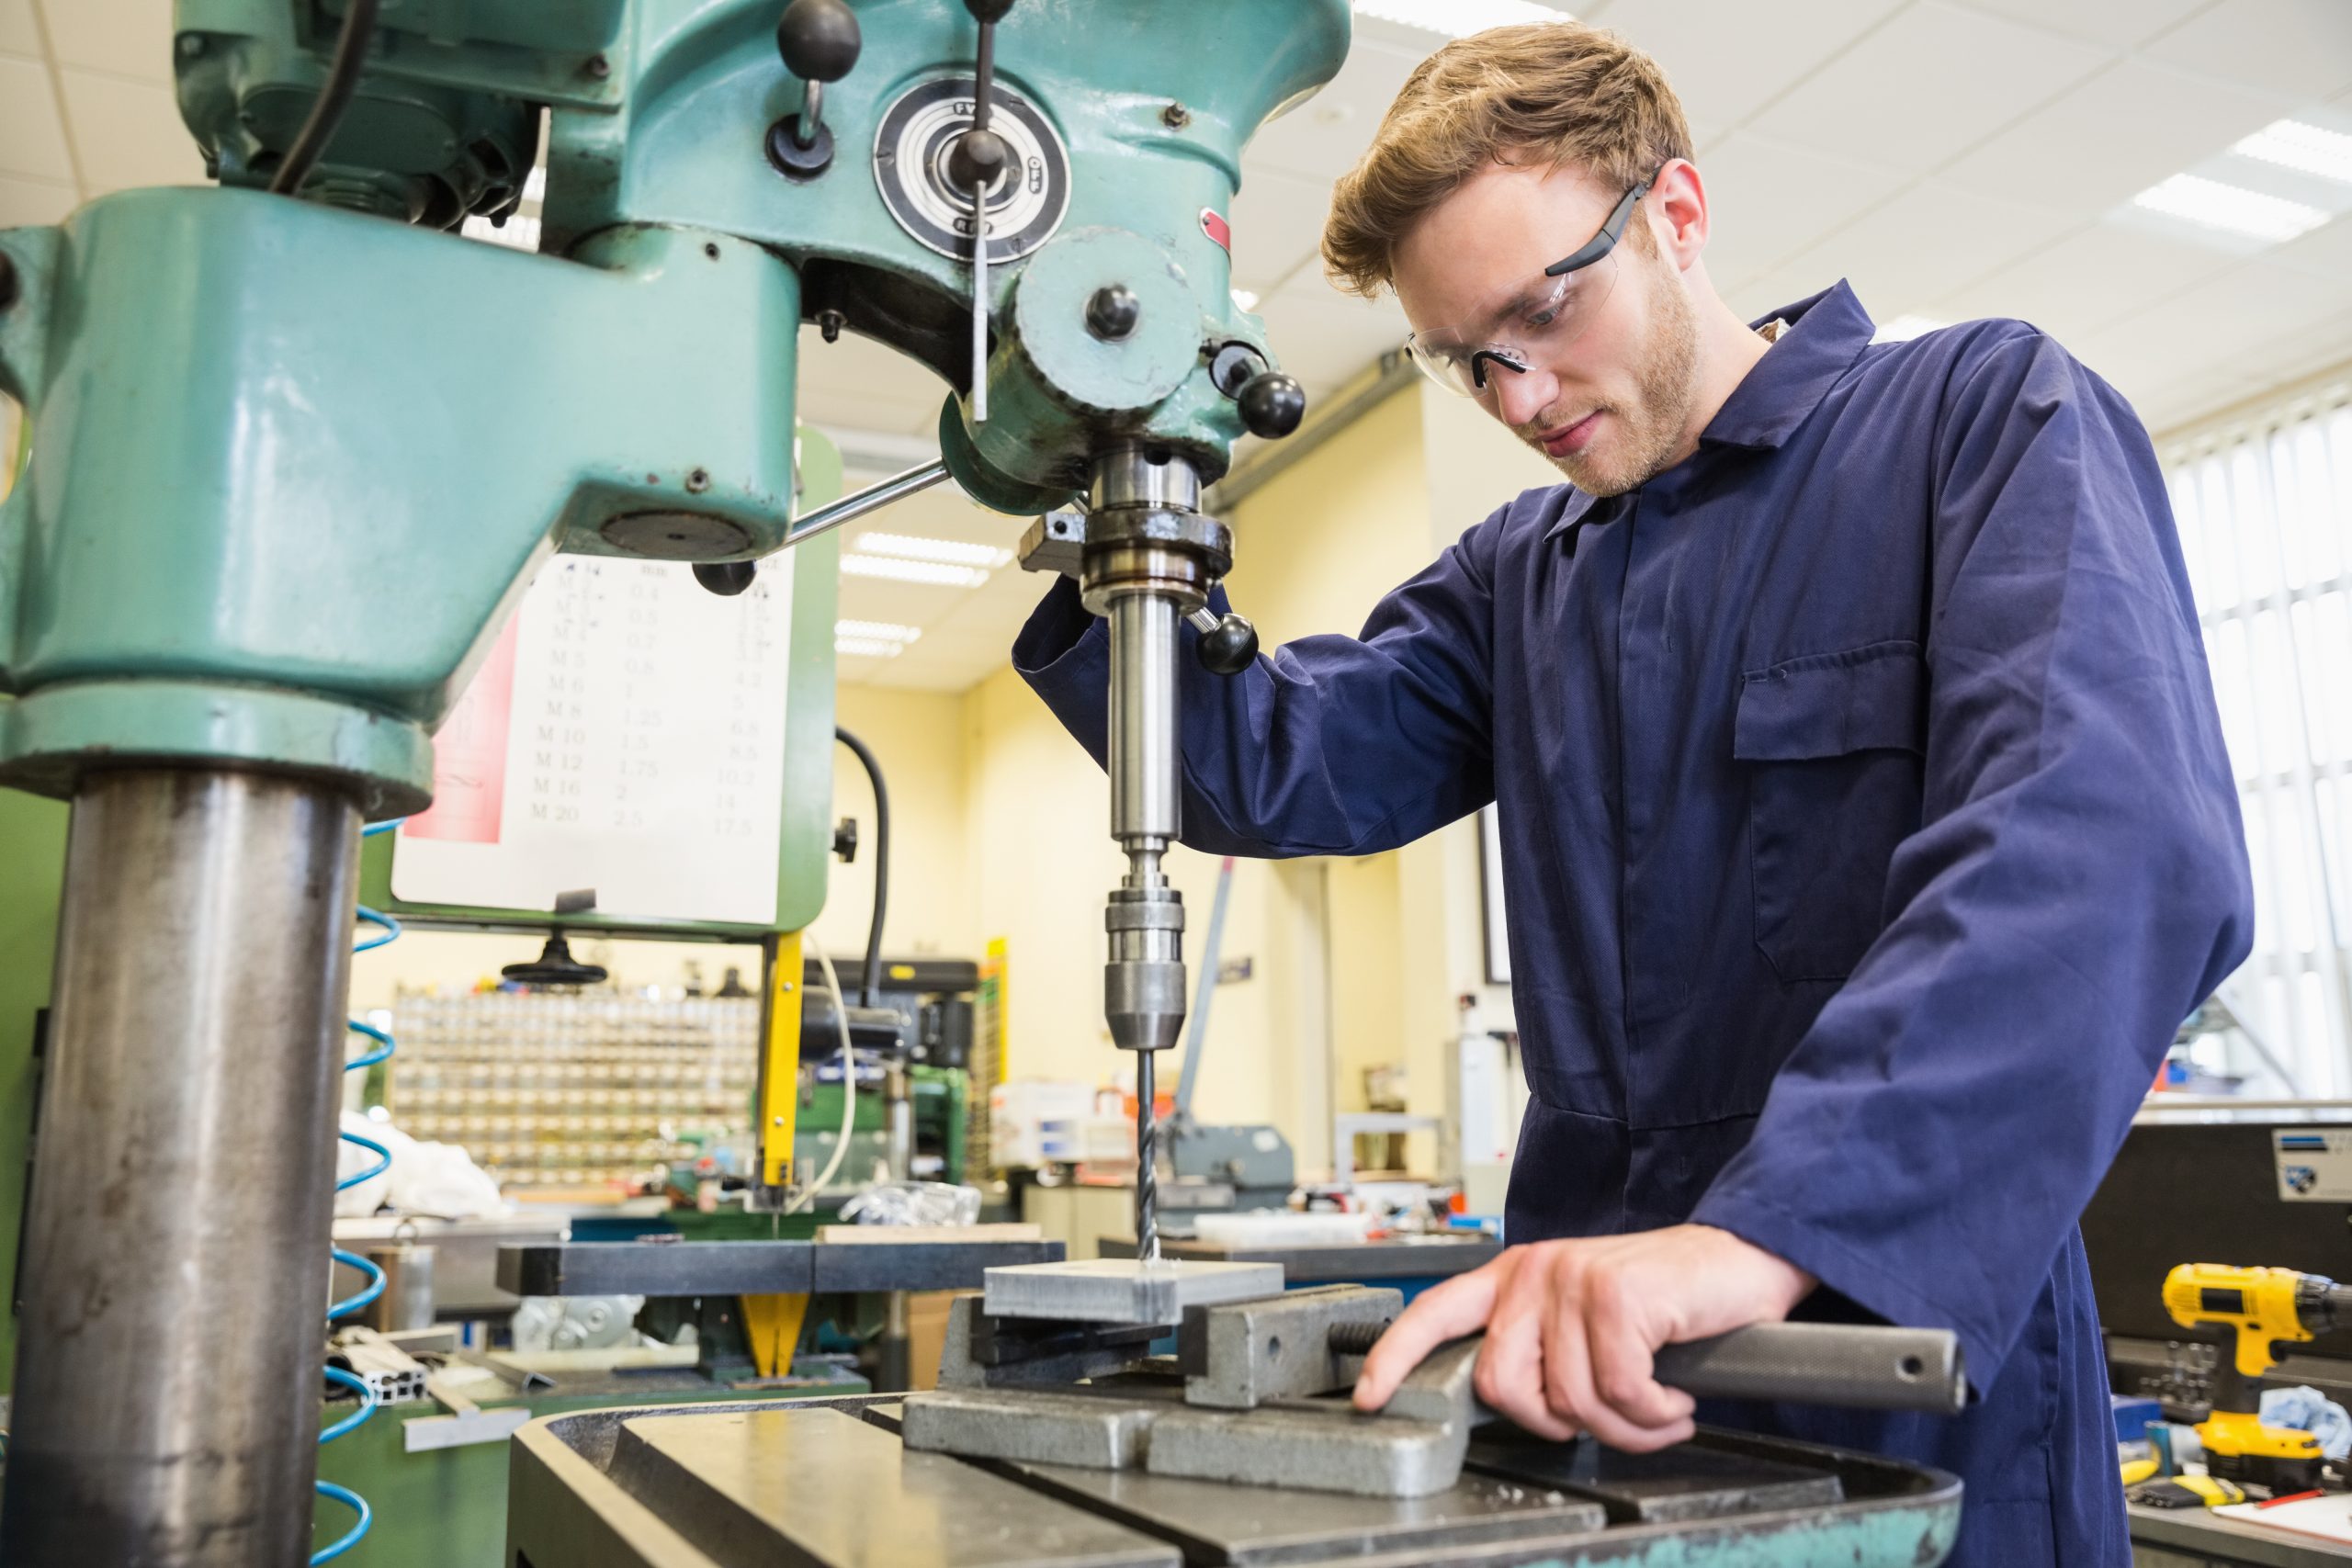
(873, 977)
(335, 98)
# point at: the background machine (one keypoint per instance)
(295, 449)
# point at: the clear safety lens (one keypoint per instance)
(1529, 326)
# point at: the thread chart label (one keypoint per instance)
(624, 734)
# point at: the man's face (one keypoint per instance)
(1608, 403)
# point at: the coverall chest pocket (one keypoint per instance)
(1832, 747)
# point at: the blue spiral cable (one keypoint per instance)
(388, 930)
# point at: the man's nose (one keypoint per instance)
(1521, 396)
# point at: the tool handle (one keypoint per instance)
(1853, 1365)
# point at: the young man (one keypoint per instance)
(1867, 823)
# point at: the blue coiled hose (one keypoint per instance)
(387, 929)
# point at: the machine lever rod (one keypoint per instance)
(1857, 1366)
(857, 503)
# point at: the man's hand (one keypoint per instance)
(1571, 1327)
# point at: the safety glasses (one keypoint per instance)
(1535, 321)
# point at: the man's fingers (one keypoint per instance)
(1509, 1376)
(1625, 1371)
(1444, 1312)
(1570, 1397)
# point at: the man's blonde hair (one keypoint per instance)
(1546, 93)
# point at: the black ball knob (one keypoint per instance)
(1231, 648)
(989, 11)
(726, 577)
(1272, 404)
(818, 39)
(1112, 311)
(977, 160)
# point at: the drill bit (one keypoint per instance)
(1147, 1167)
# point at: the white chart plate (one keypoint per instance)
(625, 735)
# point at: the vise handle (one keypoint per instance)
(1857, 1366)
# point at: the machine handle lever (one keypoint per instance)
(821, 42)
(1857, 1366)
(1228, 643)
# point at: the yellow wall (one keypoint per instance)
(919, 738)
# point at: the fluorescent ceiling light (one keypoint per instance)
(939, 574)
(878, 631)
(867, 646)
(1458, 18)
(1904, 328)
(2232, 208)
(953, 552)
(2313, 149)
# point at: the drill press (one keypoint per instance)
(231, 618)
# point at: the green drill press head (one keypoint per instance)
(377, 430)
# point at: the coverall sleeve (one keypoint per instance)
(2078, 884)
(1333, 745)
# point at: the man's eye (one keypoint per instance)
(1539, 319)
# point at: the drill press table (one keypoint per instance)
(826, 1482)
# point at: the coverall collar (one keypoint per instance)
(1825, 335)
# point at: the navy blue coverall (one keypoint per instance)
(1867, 829)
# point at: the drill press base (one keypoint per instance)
(827, 1483)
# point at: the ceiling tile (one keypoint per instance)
(1768, 200)
(2088, 280)
(1322, 137)
(24, 201)
(1928, 85)
(1929, 241)
(2302, 48)
(1277, 225)
(1729, 58)
(2212, 331)
(18, 33)
(32, 137)
(2115, 135)
(2327, 251)
(2116, 23)
(129, 37)
(129, 133)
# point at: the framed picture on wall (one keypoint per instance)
(1490, 897)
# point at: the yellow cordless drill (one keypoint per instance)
(2263, 1306)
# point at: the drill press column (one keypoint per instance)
(1150, 558)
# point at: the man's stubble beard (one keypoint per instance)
(1666, 387)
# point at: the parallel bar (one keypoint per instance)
(175, 1284)
(755, 1268)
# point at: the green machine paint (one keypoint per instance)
(292, 463)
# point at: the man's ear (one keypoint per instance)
(1678, 213)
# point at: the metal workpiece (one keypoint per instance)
(649, 1267)
(184, 1174)
(1122, 1291)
